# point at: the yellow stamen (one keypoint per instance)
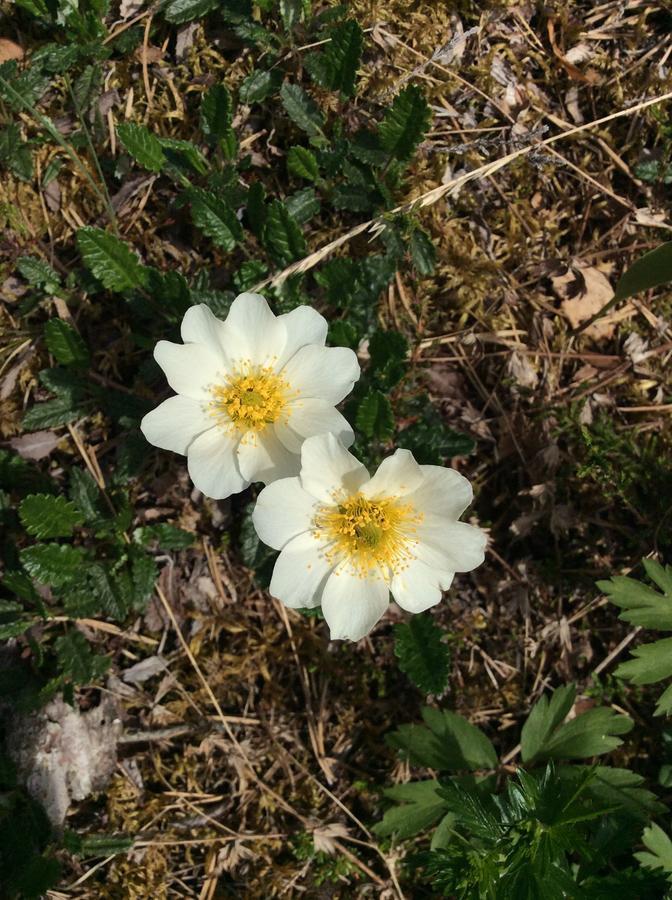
(250, 399)
(374, 536)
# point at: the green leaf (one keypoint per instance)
(405, 123)
(302, 109)
(419, 807)
(46, 516)
(97, 844)
(144, 147)
(423, 252)
(21, 90)
(618, 788)
(422, 655)
(215, 218)
(54, 564)
(303, 205)
(448, 743)
(651, 663)
(651, 270)
(216, 114)
(86, 495)
(302, 162)
(168, 537)
(335, 67)
(641, 604)
(38, 273)
(87, 87)
(112, 261)
(375, 418)
(545, 716)
(259, 85)
(15, 153)
(291, 12)
(659, 847)
(184, 156)
(282, 236)
(77, 663)
(546, 736)
(179, 11)
(65, 344)
(388, 352)
(65, 408)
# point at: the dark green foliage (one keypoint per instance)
(78, 664)
(335, 67)
(215, 218)
(65, 344)
(259, 85)
(302, 110)
(422, 655)
(143, 146)
(180, 11)
(46, 516)
(375, 417)
(38, 273)
(404, 124)
(302, 162)
(651, 270)
(113, 263)
(282, 235)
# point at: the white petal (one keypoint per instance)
(300, 573)
(282, 511)
(327, 373)
(263, 457)
(213, 466)
(418, 587)
(304, 325)
(450, 546)
(254, 336)
(328, 470)
(309, 417)
(397, 476)
(444, 492)
(201, 326)
(175, 423)
(351, 604)
(191, 369)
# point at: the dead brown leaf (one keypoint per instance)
(35, 445)
(9, 50)
(584, 290)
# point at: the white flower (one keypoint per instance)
(249, 389)
(347, 539)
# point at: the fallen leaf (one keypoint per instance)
(9, 50)
(35, 445)
(584, 290)
(145, 669)
(128, 8)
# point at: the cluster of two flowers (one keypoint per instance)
(255, 401)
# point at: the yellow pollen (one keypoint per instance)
(251, 399)
(374, 536)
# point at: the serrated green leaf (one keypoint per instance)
(651, 663)
(65, 344)
(388, 351)
(87, 86)
(302, 109)
(168, 537)
(15, 152)
(282, 236)
(659, 846)
(259, 85)
(335, 67)
(184, 156)
(38, 273)
(144, 147)
(179, 11)
(375, 418)
(21, 90)
(215, 218)
(640, 604)
(216, 113)
(422, 655)
(291, 12)
(112, 261)
(545, 716)
(405, 123)
(302, 162)
(46, 516)
(60, 411)
(423, 252)
(54, 564)
(303, 205)
(419, 807)
(77, 663)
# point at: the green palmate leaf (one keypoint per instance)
(38, 273)
(375, 418)
(303, 205)
(421, 653)
(302, 162)
(659, 847)
(54, 564)
(405, 123)
(651, 663)
(65, 344)
(112, 261)
(282, 236)
(144, 147)
(46, 516)
(215, 218)
(641, 604)
(419, 807)
(615, 788)
(259, 85)
(652, 270)
(546, 736)
(168, 537)
(335, 67)
(179, 11)
(77, 663)
(446, 742)
(302, 109)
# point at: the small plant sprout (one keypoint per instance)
(249, 391)
(348, 539)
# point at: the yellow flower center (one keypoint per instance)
(251, 400)
(375, 536)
